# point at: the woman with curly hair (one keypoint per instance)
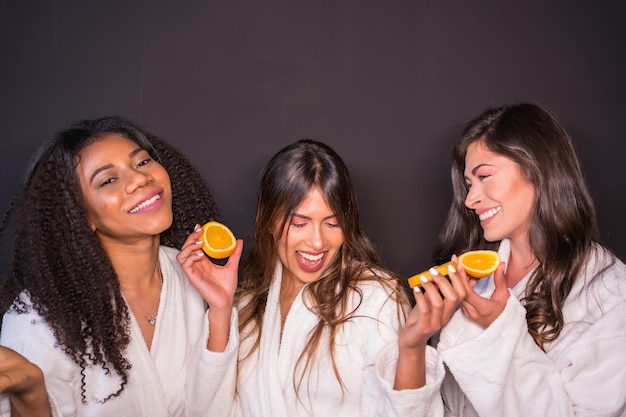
(323, 326)
(545, 334)
(100, 318)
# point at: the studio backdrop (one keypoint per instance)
(388, 84)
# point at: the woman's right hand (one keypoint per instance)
(216, 283)
(435, 303)
(24, 383)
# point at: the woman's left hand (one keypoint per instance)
(485, 310)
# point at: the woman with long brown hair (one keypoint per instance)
(325, 329)
(545, 334)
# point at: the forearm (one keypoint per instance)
(411, 369)
(28, 396)
(35, 405)
(219, 328)
(501, 369)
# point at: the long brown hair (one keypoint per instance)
(286, 180)
(563, 230)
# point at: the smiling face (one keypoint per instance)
(310, 240)
(499, 193)
(127, 194)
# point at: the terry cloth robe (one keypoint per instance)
(504, 373)
(167, 380)
(365, 356)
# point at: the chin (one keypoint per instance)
(491, 237)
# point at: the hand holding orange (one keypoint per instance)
(218, 240)
(477, 264)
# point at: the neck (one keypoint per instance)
(521, 261)
(137, 266)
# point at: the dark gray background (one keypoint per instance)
(388, 84)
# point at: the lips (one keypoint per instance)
(145, 204)
(489, 213)
(310, 262)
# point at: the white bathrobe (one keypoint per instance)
(167, 380)
(365, 356)
(503, 373)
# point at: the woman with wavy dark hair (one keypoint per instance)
(323, 325)
(100, 318)
(545, 334)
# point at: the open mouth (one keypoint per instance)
(489, 213)
(146, 203)
(309, 262)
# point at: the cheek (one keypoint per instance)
(282, 243)
(337, 239)
(282, 252)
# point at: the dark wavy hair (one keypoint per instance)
(286, 180)
(563, 232)
(50, 252)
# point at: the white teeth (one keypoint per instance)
(146, 203)
(489, 213)
(311, 258)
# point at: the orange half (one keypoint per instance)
(480, 263)
(477, 264)
(218, 240)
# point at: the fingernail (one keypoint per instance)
(200, 253)
(417, 288)
(423, 278)
(451, 268)
(196, 228)
(199, 242)
(433, 272)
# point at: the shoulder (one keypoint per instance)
(379, 291)
(601, 286)
(603, 268)
(22, 323)
(377, 282)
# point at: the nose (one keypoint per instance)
(473, 197)
(316, 239)
(137, 179)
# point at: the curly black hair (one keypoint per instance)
(49, 251)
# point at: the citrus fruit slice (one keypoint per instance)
(218, 241)
(480, 263)
(477, 264)
(442, 269)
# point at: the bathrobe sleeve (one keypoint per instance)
(211, 385)
(29, 335)
(504, 373)
(380, 348)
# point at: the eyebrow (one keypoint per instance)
(301, 216)
(476, 168)
(109, 166)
